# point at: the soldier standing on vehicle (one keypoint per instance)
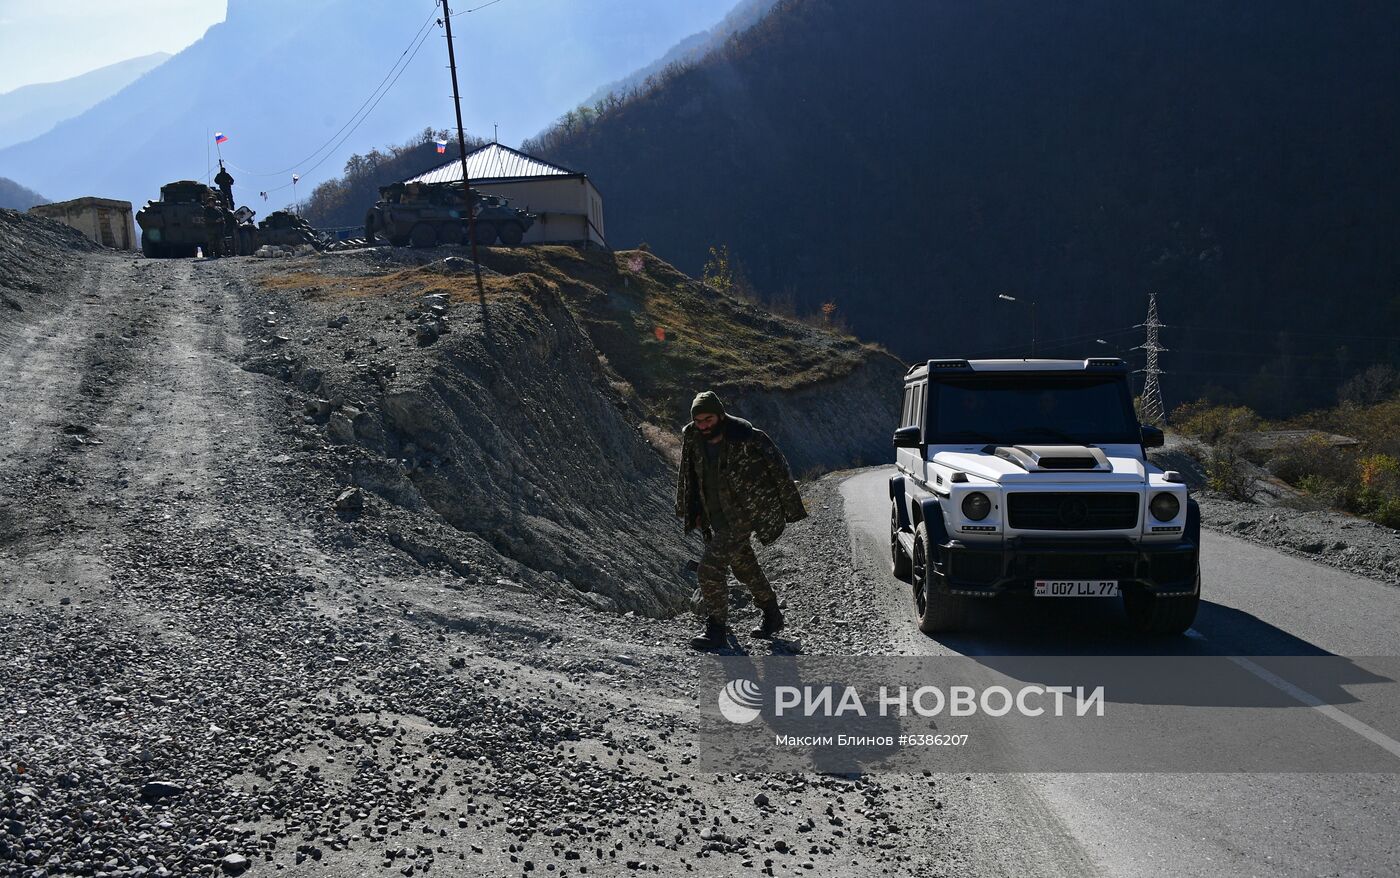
(224, 180)
(733, 483)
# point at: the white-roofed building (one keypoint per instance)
(567, 206)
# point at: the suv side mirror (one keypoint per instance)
(1152, 437)
(908, 437)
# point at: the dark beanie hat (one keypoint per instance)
(706, 403)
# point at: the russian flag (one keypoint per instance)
(220, 137)
(441, 146)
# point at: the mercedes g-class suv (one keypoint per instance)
(1031, 477)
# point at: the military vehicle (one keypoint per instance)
(428, 214)
(286, 229)
(189, 215)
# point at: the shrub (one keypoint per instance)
(1378, 497)
(1312, 455)
(1375, 384)
(1212, 423)
(1228, 472)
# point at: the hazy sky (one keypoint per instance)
(48, 40)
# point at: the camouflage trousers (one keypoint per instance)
(724, 551)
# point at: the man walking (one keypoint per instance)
(734, 483)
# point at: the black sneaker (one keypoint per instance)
(714, 635)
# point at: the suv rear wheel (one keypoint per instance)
(938, 611)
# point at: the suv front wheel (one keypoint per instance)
(1159, 616)
(938, 611)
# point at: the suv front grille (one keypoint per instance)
(1072, 511)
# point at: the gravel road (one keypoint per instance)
(212, 670)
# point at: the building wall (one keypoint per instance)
(565, 206)
(87, 215)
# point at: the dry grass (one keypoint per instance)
(405, 285)
(660, 331)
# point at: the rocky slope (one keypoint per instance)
(36, 256)
(222, 659)
(541, 418)
(826, 398)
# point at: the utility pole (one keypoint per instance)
(462, 148)
(1153, 411)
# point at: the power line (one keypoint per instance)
(474, 9)
(1054, 343)
(412, 45)
(1288, 332)
(386, 91)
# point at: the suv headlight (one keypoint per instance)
(976, 506)
(1164, 506)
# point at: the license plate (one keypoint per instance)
(1076, 588)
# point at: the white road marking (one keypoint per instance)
(1375, 736)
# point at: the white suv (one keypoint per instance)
(1031, 477)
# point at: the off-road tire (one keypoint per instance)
(485, 234)
(1156, 616)
(937, 612)
(900, 565)
(150, 249)
(512, 234)
(452, 233)
(423, 235)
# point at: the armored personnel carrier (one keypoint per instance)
(284, 228)
(428, 214)
(188, 216)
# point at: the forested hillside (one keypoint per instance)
(908, 162)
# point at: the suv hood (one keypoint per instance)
(1125, 466)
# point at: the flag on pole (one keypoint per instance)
(441, 146)
(220, 137)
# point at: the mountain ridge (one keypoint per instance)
(31, 110)
(909, 165)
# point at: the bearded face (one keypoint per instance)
(708, 425)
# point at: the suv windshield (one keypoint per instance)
(1031, 409)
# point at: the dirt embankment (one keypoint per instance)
(212, 668)
(829, 400)
(36, 258)
(530, 420)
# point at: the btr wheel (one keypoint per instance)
(485, 234)
(899, 561)
(938, 611)
(423, 235)
(512, 234)
(451, 233)
(1162, 616)
(150, 249)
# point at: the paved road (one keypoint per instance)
(1257, 602)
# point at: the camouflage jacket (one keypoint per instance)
(756, 488)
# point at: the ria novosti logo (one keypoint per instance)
(739, 701)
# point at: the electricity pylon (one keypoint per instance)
(1153, 411)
